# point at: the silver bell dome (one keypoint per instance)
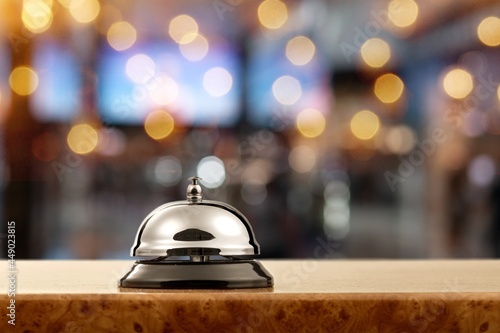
(195, 227)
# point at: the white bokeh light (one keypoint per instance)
(481, 171)
(140, 68)
(217, 81)
(287, 90)
(168, 171)
(336, 213)
(211, 170)
(337, 189)
(165, 90)
(336, 219)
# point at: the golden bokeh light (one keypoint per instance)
(183, 29)
(272, 14)
(310, 123)
(365, 124)
(196, 49)
(403, 13)
(375, 52)
(86, 11)
(488, 31)
(388, 88)
(159, 124)
(37, 15)
(121, 35)
(458, 83)
(300, 50)
(23, 80)
(498, 92)
(82, 138)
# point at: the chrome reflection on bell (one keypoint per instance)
(195, 228)
(198, 244)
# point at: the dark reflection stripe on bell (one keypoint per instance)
(193, 234)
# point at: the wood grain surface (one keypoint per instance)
(309, 296)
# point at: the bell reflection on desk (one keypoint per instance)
(196, 244)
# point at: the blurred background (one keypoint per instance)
(341, 129)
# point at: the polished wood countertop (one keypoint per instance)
(308, 296)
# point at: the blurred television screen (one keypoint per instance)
(297, 80)
(58, 95)
(162, 75)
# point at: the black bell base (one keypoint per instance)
(197, 275)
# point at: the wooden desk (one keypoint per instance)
(309, 296)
